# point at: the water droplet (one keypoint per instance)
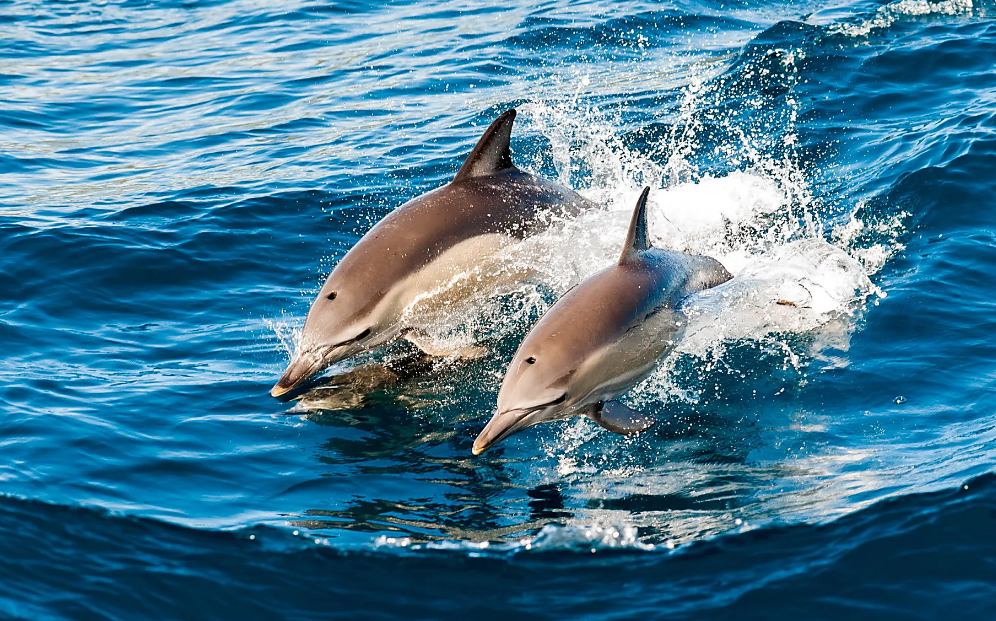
(900, 400)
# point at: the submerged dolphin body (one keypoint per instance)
(424, 251)
(600, 339)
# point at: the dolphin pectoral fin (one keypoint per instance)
(439, 349)
(620, 418)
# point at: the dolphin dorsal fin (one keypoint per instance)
(636, 240)
(492, 153)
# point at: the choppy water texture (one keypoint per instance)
(176, 179)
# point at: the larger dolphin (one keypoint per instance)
(420, 250)
(600, 339)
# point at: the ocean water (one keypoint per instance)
(177, 179)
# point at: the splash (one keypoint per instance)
(760, 222)
(287, 334)
(802, 271)
(796, 270)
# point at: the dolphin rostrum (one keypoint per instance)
(431, 248)
(600, 339)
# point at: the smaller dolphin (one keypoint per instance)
(420, 257)
(600, 339)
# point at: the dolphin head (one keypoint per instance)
(538, 387)
(346, 318)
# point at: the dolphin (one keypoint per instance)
(600, 339)
(434, 247)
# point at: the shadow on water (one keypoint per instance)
(359, 385)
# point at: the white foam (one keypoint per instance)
(888, 15)
(785, 278)
(552, 537)
(702, 209)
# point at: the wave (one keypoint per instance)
(902, 558)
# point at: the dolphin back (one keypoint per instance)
(705, 273)
(682, 273)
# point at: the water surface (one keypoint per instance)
(176, 180)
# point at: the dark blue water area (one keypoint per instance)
(921, 556)
(176, 180)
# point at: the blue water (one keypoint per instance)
(176, 179)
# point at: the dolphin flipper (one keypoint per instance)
(620, 418)
(440, 349)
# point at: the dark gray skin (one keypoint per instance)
(368, 298)
(600, 339)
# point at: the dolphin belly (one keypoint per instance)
(469, 268)
(622, 364)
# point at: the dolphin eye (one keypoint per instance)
(531, 360)
(331, 296)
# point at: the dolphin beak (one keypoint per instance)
(489, 435)
(309, 363)
(501, 425)
(504, 424)
(305, 366)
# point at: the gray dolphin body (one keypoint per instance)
(435, 247)
(600, 339)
